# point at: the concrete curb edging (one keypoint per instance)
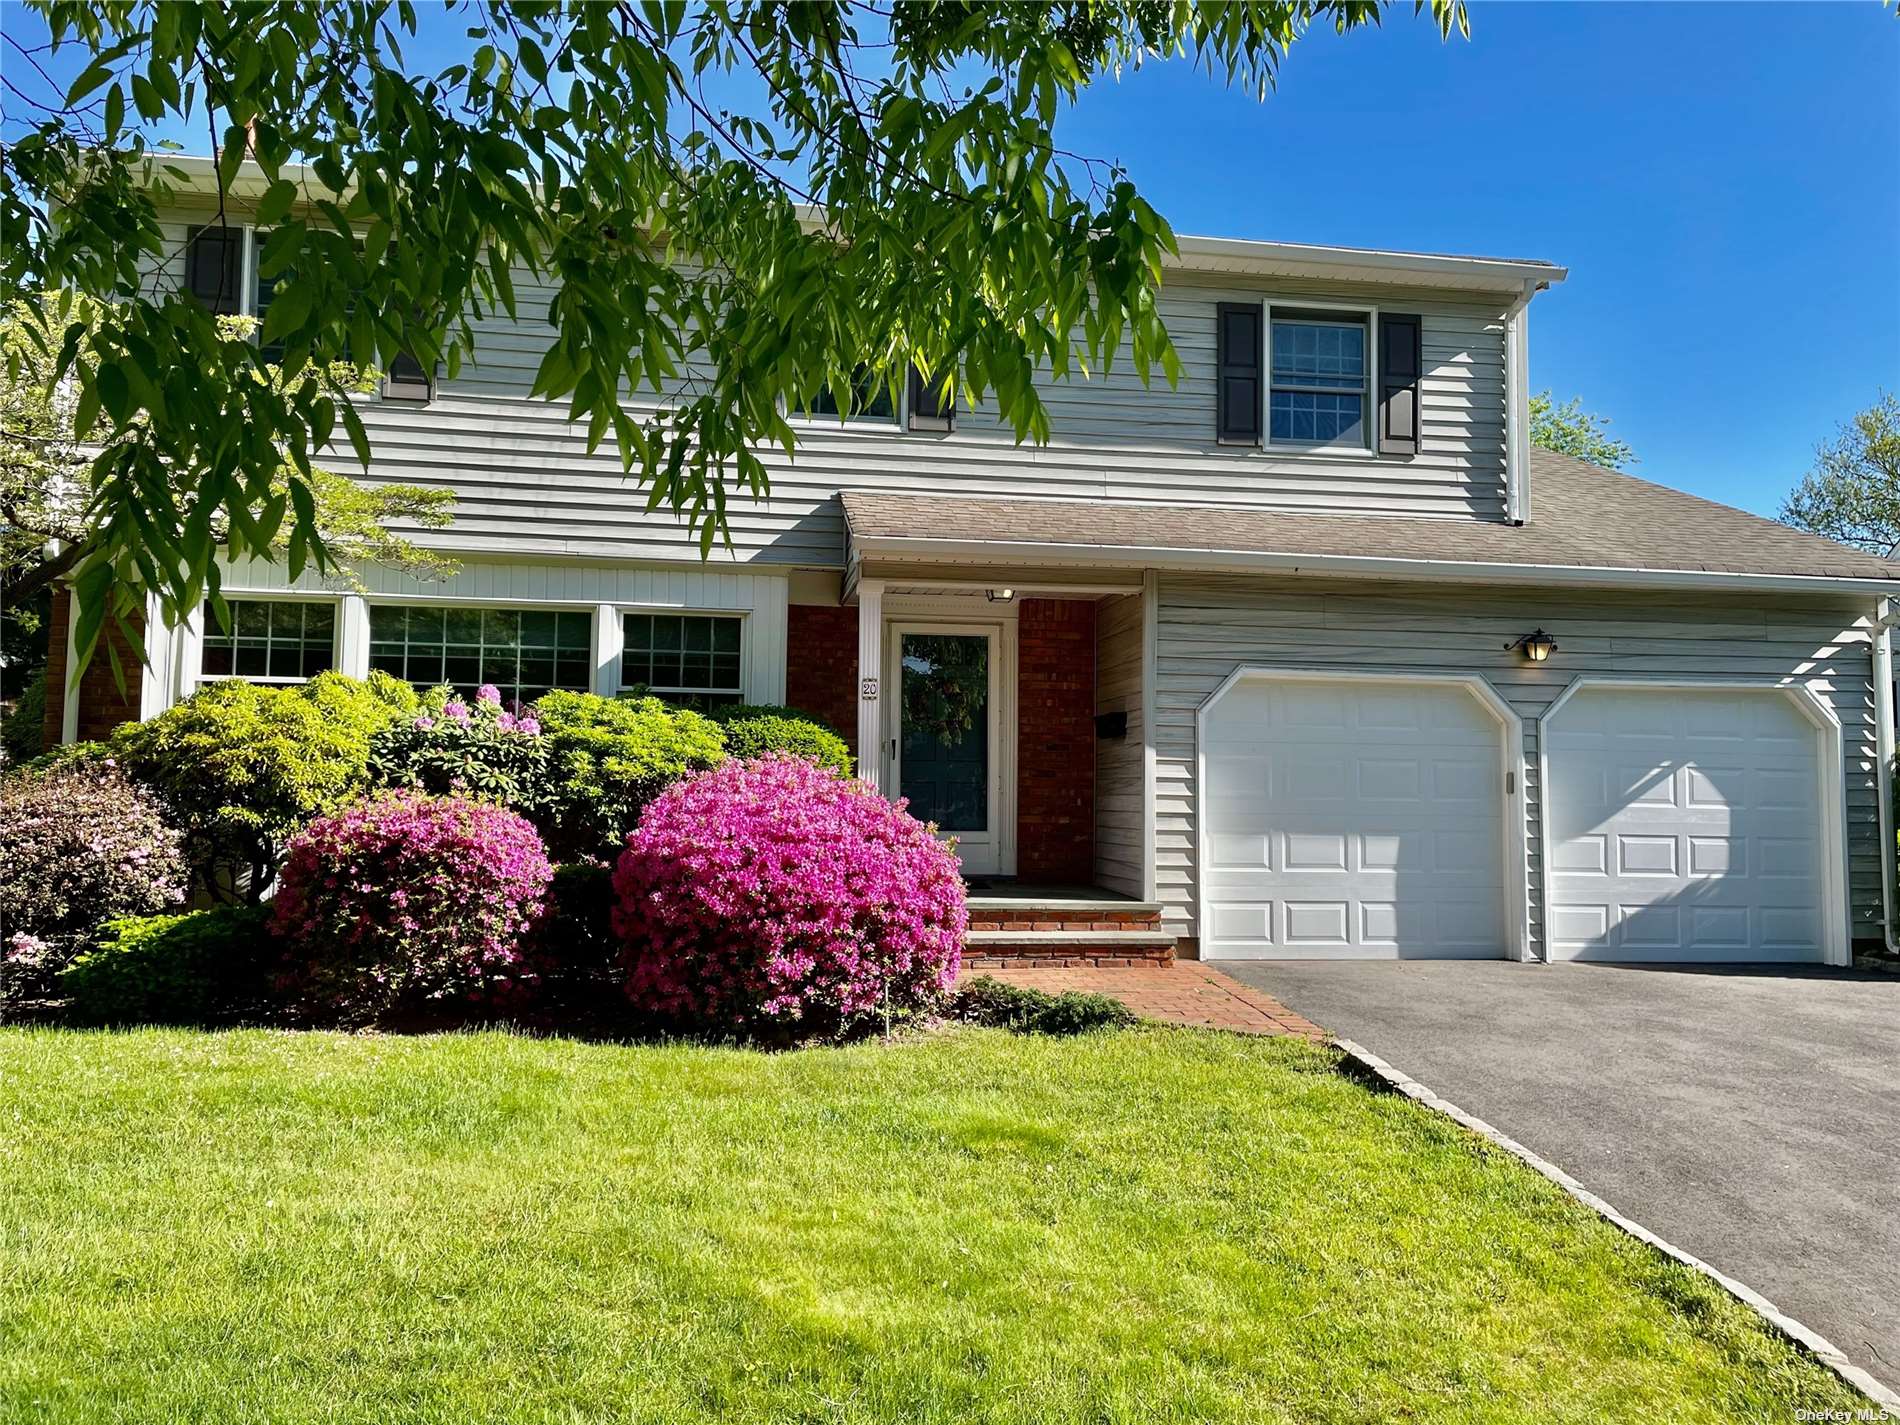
(1806, 1337)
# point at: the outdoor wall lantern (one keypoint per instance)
(1000, 596)
(1536, 646)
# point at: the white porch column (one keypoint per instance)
(870, 670)
(352, 644)
(608, 646)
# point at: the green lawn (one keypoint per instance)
(1142, 1225)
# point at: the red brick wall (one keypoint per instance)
(102, 706)
(821, 665)
(1055, 735)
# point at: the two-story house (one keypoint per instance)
(1313, 652)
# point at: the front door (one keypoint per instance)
(948, 734)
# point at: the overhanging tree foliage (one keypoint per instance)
(896, 195)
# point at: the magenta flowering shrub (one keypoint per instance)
(776, 894)
(409, 899)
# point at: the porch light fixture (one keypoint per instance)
(1000, 596)
(1537, 647)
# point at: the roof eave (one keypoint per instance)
(1243, 561)
(1285, 258)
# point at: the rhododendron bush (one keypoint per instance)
(776, 894)
(452, 746)
(409, 899)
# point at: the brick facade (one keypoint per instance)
(1055, 739)
(1055, 720)
(102, 706)
(821, 665)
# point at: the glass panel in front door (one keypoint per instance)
(945, 721)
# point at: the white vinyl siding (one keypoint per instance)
(1209, 627)
(1119, 761)
(528, 487)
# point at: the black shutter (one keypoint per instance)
(1401, 363)
(928, 403)
(1238, 395)
(214, 268)
(407, 380)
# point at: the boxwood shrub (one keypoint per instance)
(606, 759)
(206, 967)
(988, 1000)
(242, 765)
(759, 730)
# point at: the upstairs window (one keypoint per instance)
(868, 400)
(270, 640)
(1320, 389)
(523, 652)
(684, 658)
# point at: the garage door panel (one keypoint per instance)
(1346, 817)
(1708, 848)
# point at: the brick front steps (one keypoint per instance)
(1062, 932)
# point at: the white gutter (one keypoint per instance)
(1517, 406)
(1220, 561)
(1883, 774)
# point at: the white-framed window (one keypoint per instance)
(221, 272)
(1319, 387)
(523, 652)
(269, 640)
(868, 402)
(690, 658)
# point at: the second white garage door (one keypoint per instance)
(1685, 825)
(1352, 818)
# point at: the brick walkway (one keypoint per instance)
(1186, 992)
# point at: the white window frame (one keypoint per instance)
(403, 392)
(1367, 445)
(896, 424)
(618, 653)
(449, 601)
(197, 629)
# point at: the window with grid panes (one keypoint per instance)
(523, 652)
(270, 640)
(686, 658)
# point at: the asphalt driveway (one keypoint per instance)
(1750, 1117)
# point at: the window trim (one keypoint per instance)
(624, 611)
(903, 421)
(201, 621)
(1322, 308)
(388, 389)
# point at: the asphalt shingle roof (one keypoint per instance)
(1582, 516)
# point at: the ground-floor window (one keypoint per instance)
(684, 658)
(270, 640)
(523, 652)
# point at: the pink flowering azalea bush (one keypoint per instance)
(408, 899)
(778, 896)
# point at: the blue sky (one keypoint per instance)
(1722, 181)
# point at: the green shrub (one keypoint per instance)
(241, 765)
(606, 759)
(986, 1000)
(572, 949)
(453, 747)
(24, 730)
(207, 967)
(67, 754)
(756, 730)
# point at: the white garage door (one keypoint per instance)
(1352, 819)
(1685, 825)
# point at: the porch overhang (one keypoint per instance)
(1599, 529)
